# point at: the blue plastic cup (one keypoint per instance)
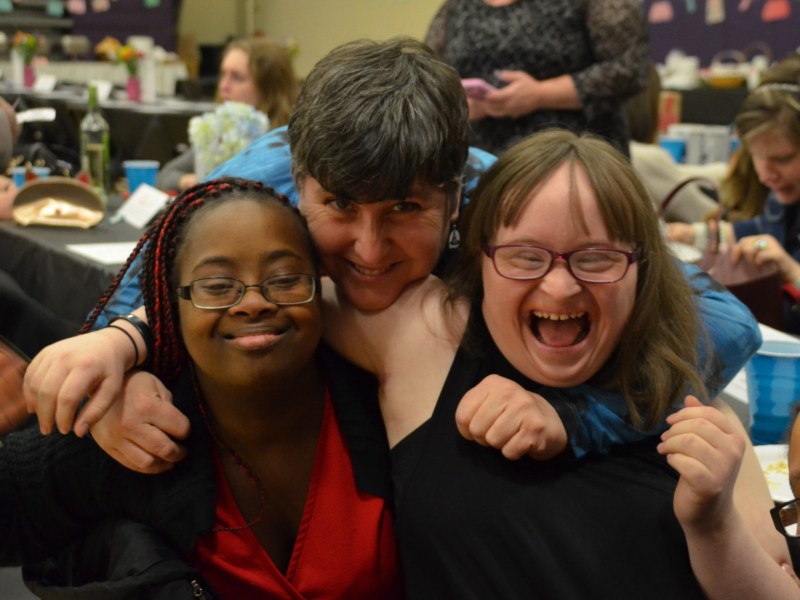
(139, 172)
(18, 174)
(773, 386)
(676, 146)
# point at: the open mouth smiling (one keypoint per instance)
(560, 330)
(370, 272)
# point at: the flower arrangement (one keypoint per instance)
(25, 44)
(217, 136)
(129, 56)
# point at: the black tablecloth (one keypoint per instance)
(66, 283)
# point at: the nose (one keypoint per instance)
(223, 85)
(254, 301)
(559, 282)
(765, 171)
(371, 240)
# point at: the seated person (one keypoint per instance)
(656, 166)
(255, 71)
(9, 132)
(769, 126)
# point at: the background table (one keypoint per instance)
(84, 71)
(154, 131)
(67, 283)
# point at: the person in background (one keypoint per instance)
(768, 125)
(656, 166)
(9, 132)
(568, 64)
(277, 497)
(742, 195)
(254, 71)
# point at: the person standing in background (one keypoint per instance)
(255, 71)
(568, 64)
(656, 167)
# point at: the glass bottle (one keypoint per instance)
(95, 150)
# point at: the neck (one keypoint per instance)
(268, 412)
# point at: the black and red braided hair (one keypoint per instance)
(157, 276)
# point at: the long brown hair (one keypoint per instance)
(270, 64)
(655, 362)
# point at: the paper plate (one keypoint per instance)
(776, 469)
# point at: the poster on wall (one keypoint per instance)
(704, 28)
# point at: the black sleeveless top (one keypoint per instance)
(471, 524)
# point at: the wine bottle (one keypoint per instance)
(95, 151)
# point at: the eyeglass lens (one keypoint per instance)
(594, 266)
(223, 292)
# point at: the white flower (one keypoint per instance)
(217, 136)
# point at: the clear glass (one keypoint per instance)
(590, 265)
(95, 146)
(223, 292)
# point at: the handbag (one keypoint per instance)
(759, 288)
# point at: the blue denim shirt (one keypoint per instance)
(597, 420)
(773, 221)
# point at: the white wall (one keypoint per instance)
(316, 25)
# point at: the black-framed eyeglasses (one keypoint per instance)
(786, 517)
(590, 265)
(211, 293)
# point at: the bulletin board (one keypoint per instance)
(703, 28)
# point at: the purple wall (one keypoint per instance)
(131, 17)
(688, 31)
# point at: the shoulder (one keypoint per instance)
(478, 162)
(268, 160)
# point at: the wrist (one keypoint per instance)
(140, 336)
(701, 235)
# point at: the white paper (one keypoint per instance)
(142, 206)
(103, 88)
(45, 83)
(113, 253)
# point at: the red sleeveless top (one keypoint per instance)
(345, 547)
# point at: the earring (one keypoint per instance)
(454, 239)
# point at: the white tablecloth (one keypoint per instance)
(167, 74)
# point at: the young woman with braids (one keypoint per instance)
(278, 496)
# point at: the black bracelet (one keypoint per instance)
(133, 341)
(144, 332)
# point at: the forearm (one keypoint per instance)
(730, 564)
(558, 93)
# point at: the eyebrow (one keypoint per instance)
(273, 256)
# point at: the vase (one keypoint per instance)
(28, 76)
(134, 87)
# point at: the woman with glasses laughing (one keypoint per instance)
(563, 280)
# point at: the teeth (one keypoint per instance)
(369, 272)
(557, 317)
